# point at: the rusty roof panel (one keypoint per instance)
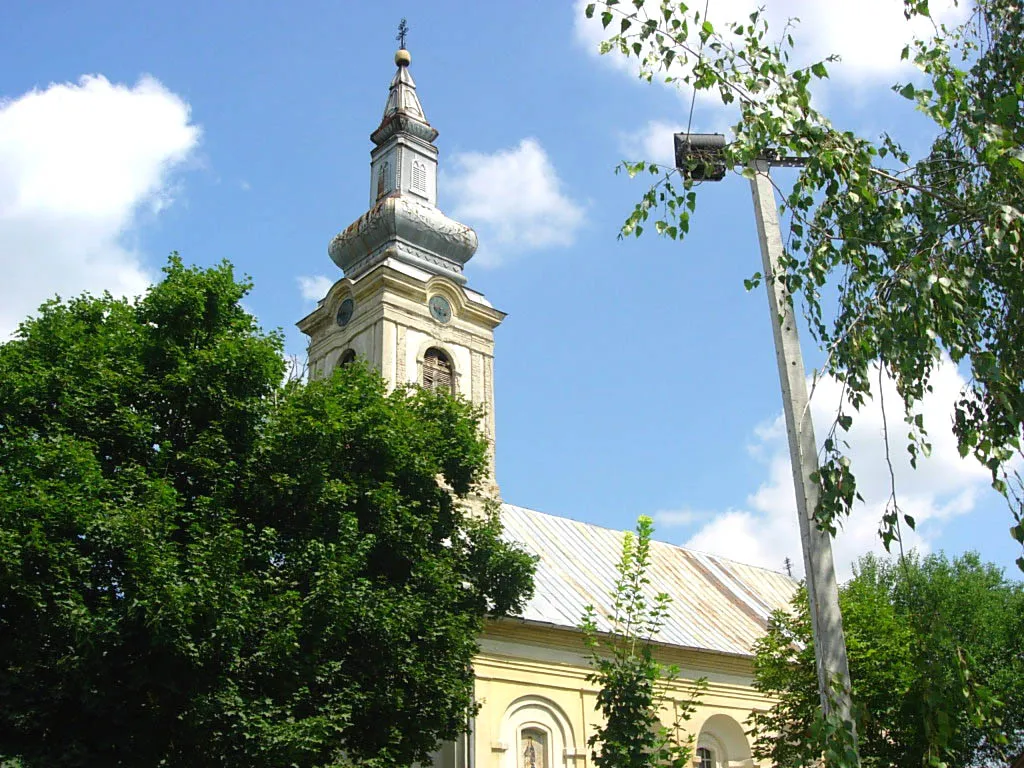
(717, 604)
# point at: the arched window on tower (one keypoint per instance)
(348, 356)
(383, 179)
(438, 372)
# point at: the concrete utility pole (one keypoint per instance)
(823, 593)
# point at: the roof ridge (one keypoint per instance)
(659, 542)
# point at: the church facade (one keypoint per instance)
(404, 305)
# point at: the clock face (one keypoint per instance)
(345, 311)
(440, 309)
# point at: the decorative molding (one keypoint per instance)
(400, 373)
(409, 230)
(399, 123)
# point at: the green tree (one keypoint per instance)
(923, 255)
(203, 564)
(906, 626)
(635, 687)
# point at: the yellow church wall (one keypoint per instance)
(531, 679)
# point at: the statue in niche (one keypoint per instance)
(534, 748)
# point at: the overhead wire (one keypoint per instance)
(700, 52)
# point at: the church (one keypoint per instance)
(403, 304)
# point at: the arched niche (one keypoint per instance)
(535, 733)
(724, 744)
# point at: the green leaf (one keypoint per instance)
(210, 544)
(866, 238)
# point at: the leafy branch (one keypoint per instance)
(634, 687)
(925, 255)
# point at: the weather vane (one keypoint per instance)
(402, 29)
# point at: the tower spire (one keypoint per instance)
(403, 111)
(403, 221)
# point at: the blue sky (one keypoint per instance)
(632, 377)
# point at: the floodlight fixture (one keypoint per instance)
(700, 156)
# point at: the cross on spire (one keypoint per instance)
(403, 28)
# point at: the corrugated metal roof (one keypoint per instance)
(717, 604)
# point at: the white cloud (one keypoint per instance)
(869, 35)
(314, 287)
(79, 163)
(654, 142)
(514, 198)
(590, 33)
(943, 486)
(668, 518)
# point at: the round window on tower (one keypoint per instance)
(345, 312)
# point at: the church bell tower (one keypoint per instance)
(403, 304)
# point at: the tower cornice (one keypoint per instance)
(394, 281)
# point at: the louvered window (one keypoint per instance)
(419, 176)
(437, 371)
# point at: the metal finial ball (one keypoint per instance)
(402, 57)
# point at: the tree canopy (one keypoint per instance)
(203, 564)
(923, 254)
(907, 625)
